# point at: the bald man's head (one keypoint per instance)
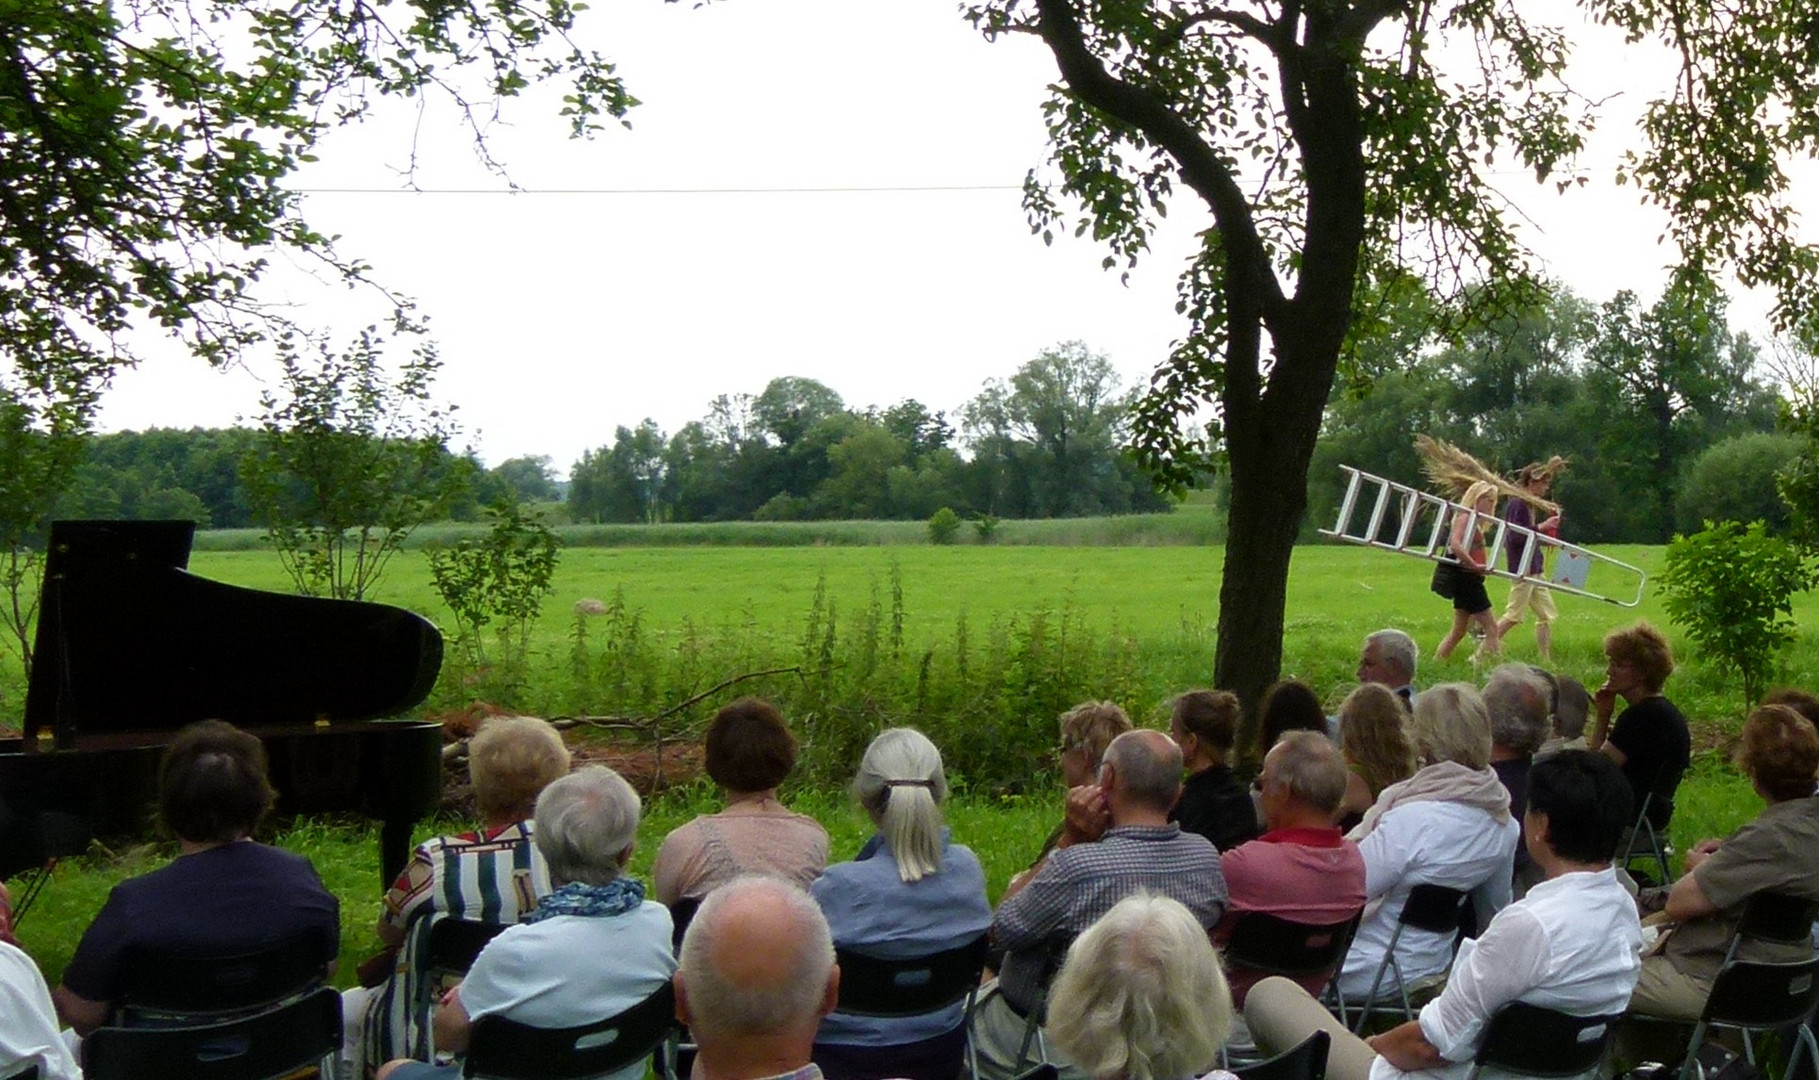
(757, 962)
(1147, 766)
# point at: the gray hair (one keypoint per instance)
(1148, 764)
(585, 822)
(1574, 705)
(1516, 699)
(1451, 724)
(1309, 766)
(901, 781)
(788, 995)
(1141, 996)
(1397, 648)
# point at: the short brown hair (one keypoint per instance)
(1287, 706)
(510, 760)
(1780, 752)
(1210, 716)
(1644, 648)
(1091, 726)
(1800, 701)
(212, 784)
(749, 747)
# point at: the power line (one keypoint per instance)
(840, 190)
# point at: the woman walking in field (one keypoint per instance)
(1465, 546)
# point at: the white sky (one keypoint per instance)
(634, 294)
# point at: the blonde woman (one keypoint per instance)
(1465, 546)
(908, 893)
(1374, 736)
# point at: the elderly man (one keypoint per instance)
(757, 976)
(1389, 658)
(1572, 705)
(1087, 874)
(1517, 700)
(1302, 869)
(593, 948)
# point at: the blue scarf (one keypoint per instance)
(616, 897)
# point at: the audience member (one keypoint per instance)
(1449, 824)
(1777, 852)
(1302, 869)
(1288, 706)
(1374, 736)
(1572, 705)
(757, 977)
(1806, 705)
(1569, 945)
(1141, 996)
(1650, 741)
(593, 948)
(909, 893)
(493, 874)
(223, 895)
(1517, 701)
(1204, 723)
(1389, 659)
(749, 751)
(28, 1022)
(1080, 881)
(1086, 731)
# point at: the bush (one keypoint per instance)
(943, 526)
(1730, 588)
(985, 526)
(1734, 480)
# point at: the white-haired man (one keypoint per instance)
(757, 976)
(593, 948)
(1389, 657)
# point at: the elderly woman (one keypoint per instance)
(1213, 803)
(1465, 547)
(1141, 995)
(749, 751)
(593, 948)
(1374, 736)
(908, 893)
(492, 874)
(1449, 824)
(1086, 730)
(1650, 741)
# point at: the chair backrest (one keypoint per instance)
(1434, 907)
(502, 1049)
(163, 984)
(1044, 1071)
(681, 913)
(1753, 995)
(872, 986)
(1778, 918)
(1304, 1062)
(272, 1043)
(1268, 943)
(454, 943)
(1536, 1041)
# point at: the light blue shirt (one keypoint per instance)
(871, 909)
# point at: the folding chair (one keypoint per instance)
(1749, 997)
(189, 987)
(1053, 954)
(675, 1056)
(1530, 1040)
(1304, 1062)
(275, 1042)
(1273, 945)
(1657, 847)
(1434, 908)
(873, 986)
(501, 1049)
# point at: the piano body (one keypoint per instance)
(131, 647)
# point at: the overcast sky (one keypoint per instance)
(823, 188)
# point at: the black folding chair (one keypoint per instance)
(675, 1056)
(275, 1042)
(874, 986)
(501, 1049)
(1434, 908)
(1751, 997)
(1530, 1040)
(1656, 847)
(448, 953)
(1304, 1062)
(1272, 945)
(189, 987)
(1052, 956)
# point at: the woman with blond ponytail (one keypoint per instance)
(908, 893)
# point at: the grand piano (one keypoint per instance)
(131, 647)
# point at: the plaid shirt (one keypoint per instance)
(1078, 884)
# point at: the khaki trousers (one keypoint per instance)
(1281, 1015)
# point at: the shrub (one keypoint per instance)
(943, 526)
(498, 580)
(985, 526)
(1730, 588)
(1734, 480)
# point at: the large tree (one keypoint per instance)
(1337, 159)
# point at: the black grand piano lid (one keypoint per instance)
(129, 640)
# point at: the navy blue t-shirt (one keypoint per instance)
(236, 898)
(1656, 749)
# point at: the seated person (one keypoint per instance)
(1519, 703)
(1388, 659)
(1288, 706)
(223, 895)
(1650, 740)
(1085, 876)
(1778, 852)
(1449, 824)
(593, 948)
(749, 751)
(1141, 996)
(1086, 731)
(909, 893)
(1302, 869)
(28, 1022)
(1572, 705)
(1379, 751)
(1569, 945)
(494, 874)
(1213, 803)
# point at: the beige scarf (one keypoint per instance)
(1446, 781)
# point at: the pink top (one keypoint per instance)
(1303, 875)
(743, 839)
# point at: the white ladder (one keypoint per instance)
(1420, 529)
